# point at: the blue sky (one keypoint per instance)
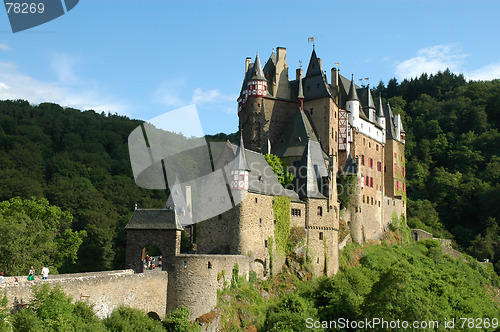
(143, 58)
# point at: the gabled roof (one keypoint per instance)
(154, 219)
(315, 169)
(365, 97)
(351, 167)
(389, 123)
(294, 139)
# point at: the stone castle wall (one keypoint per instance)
(193, 280)
(105, 290)
(393, 205)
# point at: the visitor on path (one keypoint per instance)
(45, 272)
(31, 274)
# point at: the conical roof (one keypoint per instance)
(258, 73)
(353, 95)
(307, 182)
(380, 111)
(240, 161)
(351, 167)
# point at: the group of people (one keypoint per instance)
(31, 274)
(151, 262)
(45, 273)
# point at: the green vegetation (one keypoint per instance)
(52, 310)
(410, 282)
(32, 232)
(279, 168)
(452, 158)
(281, 209)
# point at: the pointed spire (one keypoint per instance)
(301, 90)
(371, 103)
(351, 167)
(353, 95)
(240, 161)
(380, 111)
(258, 72)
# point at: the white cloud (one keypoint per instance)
(169, 93)
(17, 85)
(4, 47)
(210, 96)
(63, 65)
(485, 73)
(430, 60)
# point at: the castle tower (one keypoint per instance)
(380, 114)
(353, 105)
(238, 181)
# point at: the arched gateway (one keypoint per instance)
(159, 227)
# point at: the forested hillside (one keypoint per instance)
(453, 157)
(79, 162)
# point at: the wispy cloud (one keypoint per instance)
(485, 73)
(210, 96)
(4, 47)
(15, 84)
(169, 93)
(430, 60)
(63, 65)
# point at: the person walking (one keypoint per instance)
(31, 274)
(45, 272)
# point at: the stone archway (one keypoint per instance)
(160, 228)
(259, 266)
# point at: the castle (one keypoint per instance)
(325, 133)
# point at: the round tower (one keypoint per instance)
(353, 105)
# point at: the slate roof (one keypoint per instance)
(365, 97)
(154, 219)
(294, 139)
(389, 123)
(307, 183)
(352, 91)
(351, 167)
(380, 110)
(261, 179)
(258, 73)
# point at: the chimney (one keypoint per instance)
(280, 54)
(188, 202)
(335, 77)
(298, 73)
(248, 61)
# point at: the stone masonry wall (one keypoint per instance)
(105, 290)
(193, 280)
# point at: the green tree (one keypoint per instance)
(32, 232)
(279, 169)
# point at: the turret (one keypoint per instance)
(300, 95)
(257, 85)
(380, 114)
(352, 104)
(400, 132)
(239, 170)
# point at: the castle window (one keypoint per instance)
(317, 86)
(209, 265)
(376, 147)
(372, 200)
(320, 210)
(362, 159)
(185, 264)
(369, 144)
(364, 140)
(265, 243)
(378, 203)
(379, 166)
(336, 137)
(256, 199)
(296, 212)
(363, 198)
(219, 217)
(395, 168)
(317, 260)
(260, 221)
(308, 88)
(321, 235)
(371, 162)
(395, 155)
(311, 111)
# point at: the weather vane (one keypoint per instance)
(300, 63)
